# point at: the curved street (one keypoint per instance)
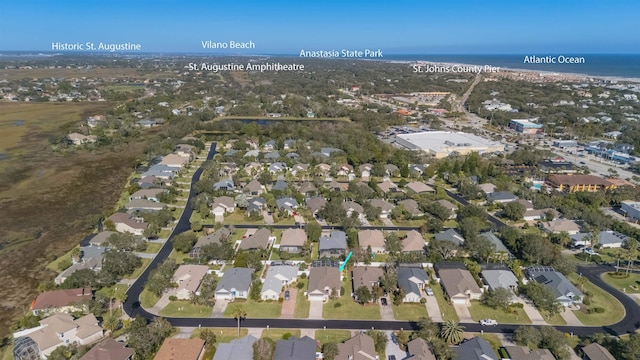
(628, 324)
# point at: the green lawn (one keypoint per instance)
(153, 247)
(276, 334)
(626, 283)
(349, 309)
(148, 299)
(409, 311)
(55, 264)
(138, 271)
(240, 218)
(184, 308)
(303, 306)
(178, 256)
(514, 316)
(555, 319)
(255, 309)
(335, 336)
(164, 234)
(447, 310)
(286, 221)
(223, 335)
(613, 310)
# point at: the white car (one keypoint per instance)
(487, 322)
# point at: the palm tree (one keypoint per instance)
(452, 332)
(110, 322)
(75, 254)
(239, 313)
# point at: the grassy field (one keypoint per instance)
(409, 311)
(52, 199)
(349, 309)
(515, 316)
(626, 283)
(276, 334)
(148, 299)
(184, 308)
(178, 256)
(613, 309)
(447, 310)
(255, 309)
(223, 335)
(153, 247)
(335, 336)
(555, 319)
(301, 310)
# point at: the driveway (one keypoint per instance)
(386, 312)
(288, 306)
(433, 309)
(392, 346)
(268, 219)
(570, 317)
(218, 308)
(463, 313)
(315, 311)
(533, 313)
(387, 222)
(299, 219)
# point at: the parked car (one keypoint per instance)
(383, 301)
(287, 295)
(429, 291)
(488, 322)
(392, 357)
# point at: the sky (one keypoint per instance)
(286, 27)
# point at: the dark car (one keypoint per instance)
(287, 295)
(383, 301)
(392, 357)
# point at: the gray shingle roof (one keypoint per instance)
(235, 278)
(337, 240)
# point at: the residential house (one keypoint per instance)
(214, 238)
(149, 194)
(384, 206)
(487, 188)
(391, 169)
(606, 239)
(387, 186)
(183, 349)
(90, 258)
(277, 167)
(287, 204)
(147, 123)
(101, 238)
(500, 251)
(528, 205)
(323, 282)
(280, 185)
(540, 214)
(595, 351)
(524, 353)
(62, 330)
(450, 235)
(174, 161)
(188, 279)
(412, 207)
(323, 169)
(334, 245)
(502, 278)
(185, 150)
(269, 145)
(372, 238)
(458, 284)
(128, 223)
(278, 277)
(237, 349)
(144, 205)
(161, 171)
(258, 241)
(295, 348)
(316, 204)
(289, 144)
(235, 283)
(253, 168)
(223, 205)
(272, 156)
(413, 242)
(148, 182)
(299, 169)
(573, 183)
(419, 349)
(367, 276)
(412, 280)
(417, 187)
(62, 301)
(351, 206)
(251, 153)
(566, 293)
(338, 186)
(231, 153)
(224, 185)
(109, 349)
(559, 226)
(359, 347)
(307, 188)
(254, 188)
(475, 349)
(344, 170)
(365, 171)
(501, 197)
(293, 240)
(79, 139)
(448, 205)
(256, 205)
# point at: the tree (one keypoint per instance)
(239, 313)
(146, 339)
(514, 211)
(126, 242)
(393, 244)
(527, 336)
(452, 332)
(184, 242)
(263, 349)
(330, 350)
(427, 329)
(313, 230)
(110, 322)
(541, 296)
(363, 294)
(254, 292)
(403, 338)
(441, 249)
(440, 349)
(118, 263)
(209, 337)
(379, 339)
(499, 298)
(631, 245)
(75, 254)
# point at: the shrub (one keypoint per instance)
(517, 305)
(342, 290)
(586, 300)
(597, 310)
(300, 285)
(280, 299)
(337, 305)
(618, 275)
(286, 336)
(303, 276)
(423, 301)
(173, 298)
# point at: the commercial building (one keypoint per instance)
(573, 183)
(525, 126)
(441, 144)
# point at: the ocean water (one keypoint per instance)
(626, 66)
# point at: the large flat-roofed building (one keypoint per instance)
(631, 208)
(441, 144)
(525, 126)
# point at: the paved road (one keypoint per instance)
(132, 307)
